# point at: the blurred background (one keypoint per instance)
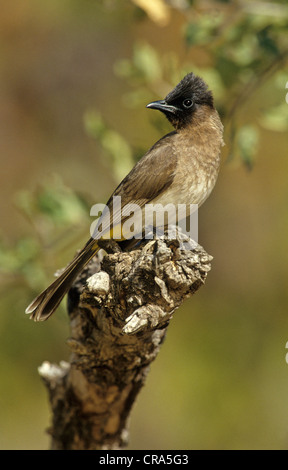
(75, 77)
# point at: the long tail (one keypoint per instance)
(42, 307)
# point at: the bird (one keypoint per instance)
(182, 167)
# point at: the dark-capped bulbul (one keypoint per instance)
(181, 168)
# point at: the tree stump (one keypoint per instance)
(119, 312)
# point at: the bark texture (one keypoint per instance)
(118, 322)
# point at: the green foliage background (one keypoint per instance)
(75, 77)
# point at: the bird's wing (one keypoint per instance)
(152, 175)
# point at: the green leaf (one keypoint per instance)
(276, 118)
(266, 41)
(247, 139)
(112, 143)
(146, 61)
(228, 70)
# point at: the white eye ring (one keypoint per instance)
(187, 103)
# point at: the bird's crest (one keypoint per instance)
(191, 86)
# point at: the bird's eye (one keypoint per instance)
(187, 103)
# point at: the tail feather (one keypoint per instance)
(42, 307)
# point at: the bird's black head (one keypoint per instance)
(182, 102)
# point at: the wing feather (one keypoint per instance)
(152, 175)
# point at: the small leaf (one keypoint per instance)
(266, 42)
(247, 139)
(276, 118)
(112, 143)
(94, 124)
(147, 61)
(192, 34)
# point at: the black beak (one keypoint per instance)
(162, 106)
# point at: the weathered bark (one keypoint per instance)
(117, 326)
